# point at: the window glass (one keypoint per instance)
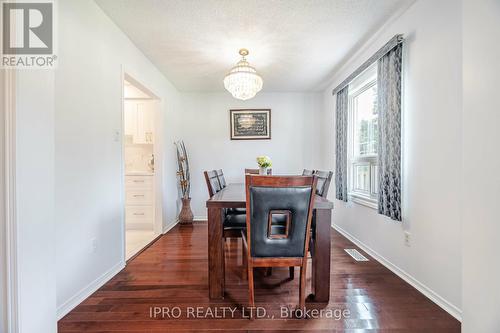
(363, 137)
(362, 178)
(365, 122)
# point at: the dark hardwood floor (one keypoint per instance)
(172, 275)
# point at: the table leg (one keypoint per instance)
(321, 258)
(215, 254)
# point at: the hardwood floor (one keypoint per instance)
(172, 275)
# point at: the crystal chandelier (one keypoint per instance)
(243, 82)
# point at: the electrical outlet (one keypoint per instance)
(407, 238)
(93, 245)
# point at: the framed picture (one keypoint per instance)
(250, 124)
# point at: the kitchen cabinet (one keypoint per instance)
(139, 202)
(139, 121)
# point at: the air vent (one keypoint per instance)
(356, 255)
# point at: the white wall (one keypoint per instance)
(481, 181)
(3, 250)
(88, 159)
(432, 154)
(35, 200)
(205, 130)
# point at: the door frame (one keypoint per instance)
(8, 229)
(157, 151)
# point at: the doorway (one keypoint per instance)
(143, 222)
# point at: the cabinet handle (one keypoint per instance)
(138, 181)
(138, 214)
(138, 195)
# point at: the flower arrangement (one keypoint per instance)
(264, 161)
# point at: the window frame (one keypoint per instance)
(370, 198)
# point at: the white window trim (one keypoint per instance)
(368, 200)
(363, 200)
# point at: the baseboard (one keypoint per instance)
(170, 226)
(83, 294)
(173, 224)
(428, 292)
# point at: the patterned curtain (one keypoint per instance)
(341, 145)
(389, 144)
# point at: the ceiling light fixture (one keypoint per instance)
(243, 82)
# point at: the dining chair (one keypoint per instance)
(278, 246)
(223, 184)
(213, 184)
(324, 180)
(307, 172)
(220, 177)
(256, 171)
(234, 221)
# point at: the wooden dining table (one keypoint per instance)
(234, 196)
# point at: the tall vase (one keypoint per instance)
(186, 214)
(262, 171)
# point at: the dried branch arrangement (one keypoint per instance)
(183, 169)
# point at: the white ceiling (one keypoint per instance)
(295, 45)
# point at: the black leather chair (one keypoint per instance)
(307, 172)
(234, 221)
(281, 246)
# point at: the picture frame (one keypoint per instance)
(250, 124)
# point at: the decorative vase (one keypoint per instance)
(186, 214)
(262, 171)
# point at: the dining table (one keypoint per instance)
(234, 196)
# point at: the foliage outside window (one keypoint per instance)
(363, 138)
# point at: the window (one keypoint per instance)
(363, 138)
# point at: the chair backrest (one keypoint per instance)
(289, 196)
(220, 177)
(213, 185)
(306, 172)
(324, 180)
(256, 171)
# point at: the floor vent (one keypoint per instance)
(356, 255)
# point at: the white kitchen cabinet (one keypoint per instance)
(145, 123)
(139, 202)
(139, 121)
(139, 217)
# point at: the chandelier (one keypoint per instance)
(243, 82)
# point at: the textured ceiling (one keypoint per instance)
(296, 45)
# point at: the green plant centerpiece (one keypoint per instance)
(264, 163)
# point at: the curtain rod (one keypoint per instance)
(397, 39)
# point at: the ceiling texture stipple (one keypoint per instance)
(295, 44)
